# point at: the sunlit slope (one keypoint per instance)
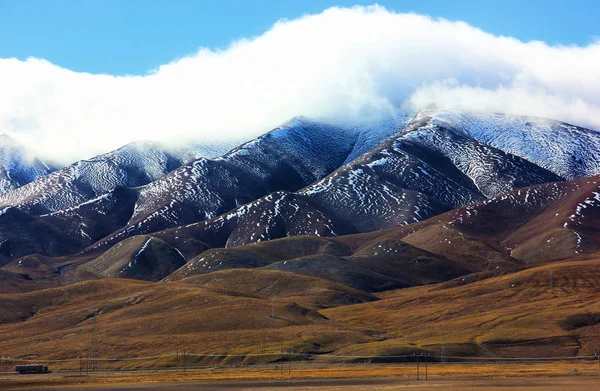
(551, 310)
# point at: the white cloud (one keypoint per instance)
(342, 63)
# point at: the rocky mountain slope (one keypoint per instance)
(140, 257)
(133, 165)
(514, 230)
(564, 149)
(22, 234)
(509, 232)
(288, 158)
(427, 169)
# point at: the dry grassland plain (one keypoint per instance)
(579, 376)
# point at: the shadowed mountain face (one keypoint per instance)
(140, 257)
(23, 234)
(539, 223)
(536, 224)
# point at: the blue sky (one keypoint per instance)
(133, 36)
(82, 77)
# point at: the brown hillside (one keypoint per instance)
(381, 265)
(307, 291)
(138, 319)
(518, 314)
(141, 258)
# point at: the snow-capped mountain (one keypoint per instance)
(288, 158)
(426, 169)
(18, 165)
(76, 201)
(311, 178)
(566, 150)
(133, 165)
(96, 218)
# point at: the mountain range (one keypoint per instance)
(442, 198)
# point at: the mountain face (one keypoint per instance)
(288, 158)
(85, 201)
(512, 231)
(96, 218)
(428, 168)
(22, 234)
(18, 166)
(66, 231)
(76, 200)
(140, 258)
(568, 151)
(133, 165)
(537, 224)
(432, 165)
(532, 225)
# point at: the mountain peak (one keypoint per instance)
(6, 139)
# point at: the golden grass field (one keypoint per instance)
(225, 320)
(516, 315)
(399, 373)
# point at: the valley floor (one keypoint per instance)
(532, 377)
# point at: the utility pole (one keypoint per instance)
(443, 358)
(289, 363)
(426, 359)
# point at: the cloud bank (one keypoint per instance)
(344, 63)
